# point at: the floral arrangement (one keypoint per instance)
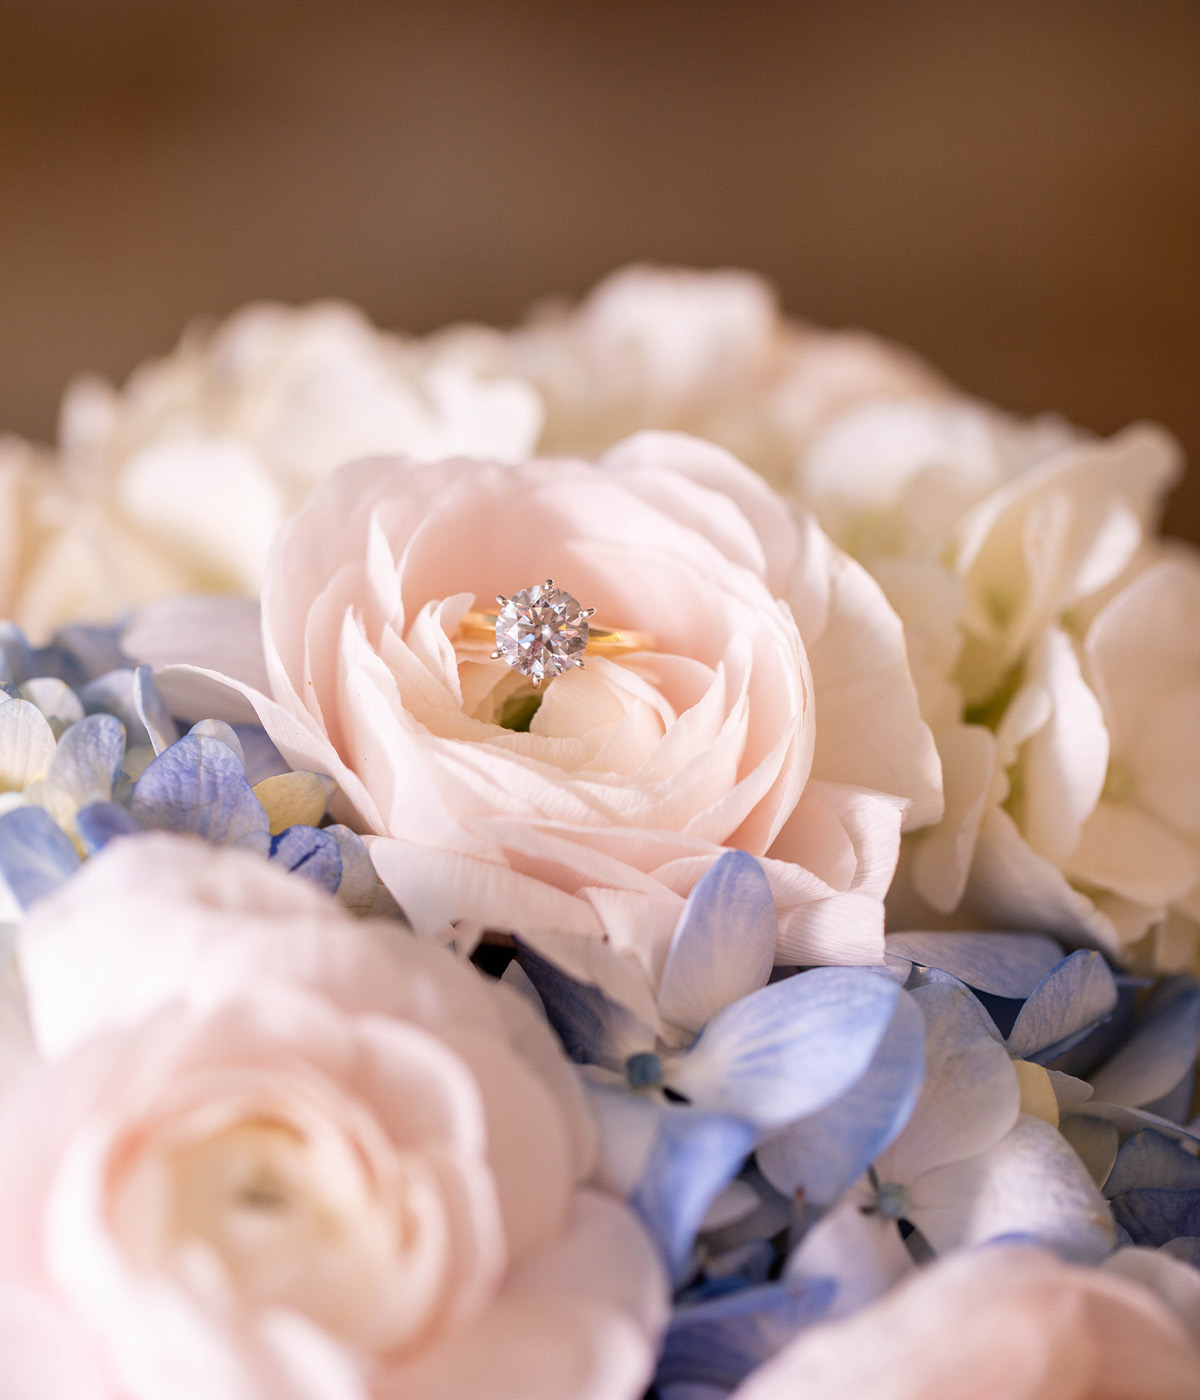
(656, 852)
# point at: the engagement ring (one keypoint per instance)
(542, 632)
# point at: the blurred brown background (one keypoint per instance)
(1012, 187)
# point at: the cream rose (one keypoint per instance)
(1001, 1323)
(316, 1158)
(774, 712)
(179, 481)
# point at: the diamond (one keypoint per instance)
(541, 631)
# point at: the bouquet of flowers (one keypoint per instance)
(656, 852)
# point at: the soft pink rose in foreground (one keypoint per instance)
(1002, 1323)
(775, 712)
(323, 1160)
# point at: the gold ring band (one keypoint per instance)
(479, 626)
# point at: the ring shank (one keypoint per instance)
(602, 641)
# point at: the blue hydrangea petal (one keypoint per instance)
(307, 851)
(89, 651)
(788, 1049)
(594, 1029)
(36, 855)
(1064, 1007)
(101, 822)
(723, 947)
(198, 786)
(1155, 1217)
(694, 1156)
(85, 766)
(1161, 1050)
(828, 1150)
(1150, 1159)
(1030, 1183)
(261, 758)
(720, 1341)
(1002, 964)
(1096, 1142)
(16, 655)
(113, 694)
(152, 710)
(359, 885)
(218, 729)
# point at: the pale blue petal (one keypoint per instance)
(36, 855)
(970, 1097)
(1002, 964)
(594, 1029)
(113, 694)
(90, 651)
(88, 758)
(218, 729)
(1134, 1120)
(152, 710)
(308, 851)
(16, 655)
(724, 943)
(828, 1150)
(359, 884)
(1155, 1217)
(101, 822)
(197, 785)
(720, 1341)
(789, 1049)
(1161, 1050)
(861, 1252)
(693, 1157)
(1150, 1159)
(1031, 1184)
(1065, 1005)
(261, 758)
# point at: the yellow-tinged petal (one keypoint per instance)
(1037, 1093)
(292, 799)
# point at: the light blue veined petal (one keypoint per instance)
(723, 947)
(101, 822)
(1150, 1159)
(862, 1253)
(197, 785)
(720, 1341)
(593, 1028)
(218, 729)
(36, 855)
(1156, 1217)
(1003, 964)
(152, 710)
(359, 884)
(308, 851)
(826, 1151)
(694, 1155)
(1065, 1005)
(88, 758)
(27, 744)
(788, 1049)
(1161, 1050)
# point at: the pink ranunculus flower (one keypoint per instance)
(774, 711)
(306, 1158)
(1008, 1322)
